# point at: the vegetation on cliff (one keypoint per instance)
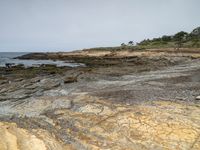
(179, 40)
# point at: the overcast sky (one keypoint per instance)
(63, 25)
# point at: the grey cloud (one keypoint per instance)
(62, 25)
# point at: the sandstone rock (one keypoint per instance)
(97, 124)
(14, 138)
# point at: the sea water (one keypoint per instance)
(8, 57)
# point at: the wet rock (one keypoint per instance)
(19, 79)
(32, 87)
(35, 80)
(3, 81)
(33, 55)
(9, 65)
(70, 80)
(3, 78)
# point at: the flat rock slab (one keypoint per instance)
(91, 123)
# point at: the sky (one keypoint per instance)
(65, 25)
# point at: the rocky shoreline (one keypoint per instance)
(120, 100)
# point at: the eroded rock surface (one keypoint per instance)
(97, 124)
(15, 138)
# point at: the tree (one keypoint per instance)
(166, 38)
(130, 43)
(156, 39)
(123, 44)
(196, 32)
(145, 42)
(179, 38)
(196, 42)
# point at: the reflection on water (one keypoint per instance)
(8, 58)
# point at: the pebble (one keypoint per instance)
(198, 98)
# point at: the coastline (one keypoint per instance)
(95, 106)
